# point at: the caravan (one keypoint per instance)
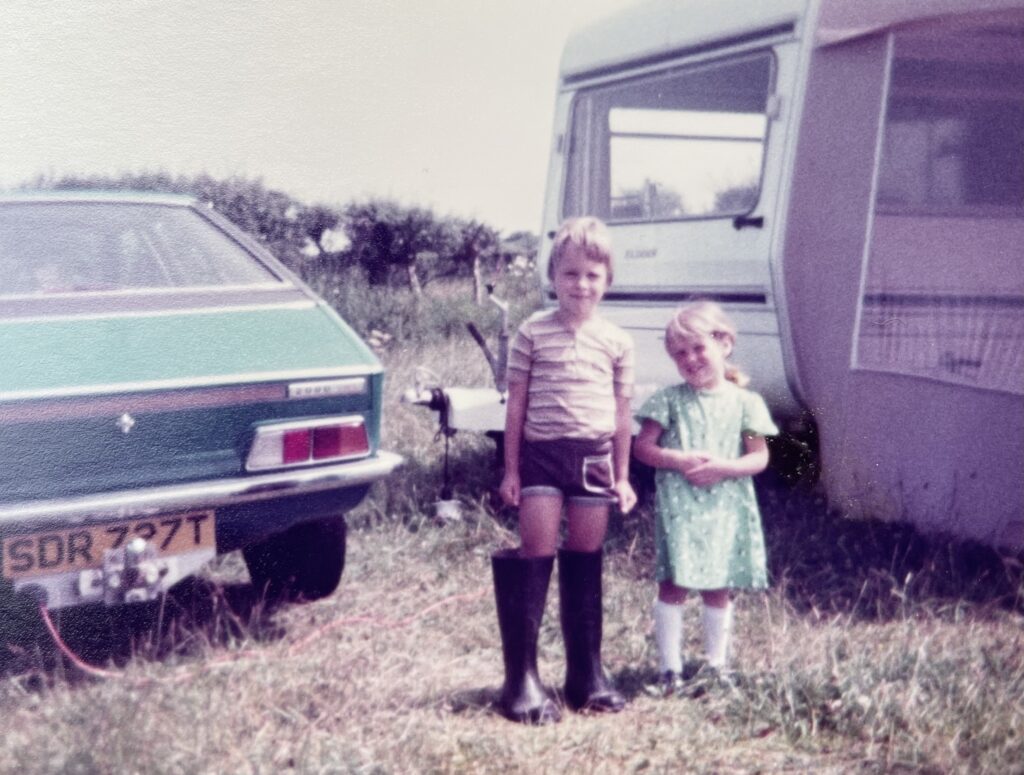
(847, 179)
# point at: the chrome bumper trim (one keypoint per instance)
(209, 494)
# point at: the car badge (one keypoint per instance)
(126, 422)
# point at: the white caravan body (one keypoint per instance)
(847, 178)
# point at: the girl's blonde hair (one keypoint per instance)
(699, 319)
(585, 233)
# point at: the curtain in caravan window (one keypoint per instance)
(943, 296)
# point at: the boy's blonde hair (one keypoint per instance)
(704, 318)
(586, 233)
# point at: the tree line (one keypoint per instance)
(387, 242)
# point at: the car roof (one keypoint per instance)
(97, 195)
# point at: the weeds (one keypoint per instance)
(439, 315)
(397, 673)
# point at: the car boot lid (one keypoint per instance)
(95, 355)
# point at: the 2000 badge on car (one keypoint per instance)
(170, 392)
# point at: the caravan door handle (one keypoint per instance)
(741, 221)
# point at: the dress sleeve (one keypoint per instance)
(756, 419)
(520, 354)
(655, 408)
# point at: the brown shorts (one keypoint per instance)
(577, 469)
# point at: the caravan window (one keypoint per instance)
(954, 126)
(943, 291)
(683, 144)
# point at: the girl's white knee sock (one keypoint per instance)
(717, 624)
(668, 634)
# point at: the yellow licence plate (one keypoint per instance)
(81, 548)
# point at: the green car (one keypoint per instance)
(170, 392)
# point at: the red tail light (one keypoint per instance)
(340, 441)
(302, 442)
(327, 442)
(295, 447)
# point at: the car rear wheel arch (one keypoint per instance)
(304, 562)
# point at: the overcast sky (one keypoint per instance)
(444, 103)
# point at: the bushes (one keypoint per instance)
(392, 244)
(438, 314)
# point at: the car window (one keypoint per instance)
(87, 247)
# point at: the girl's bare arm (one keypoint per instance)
(647, 450)
(715, 469)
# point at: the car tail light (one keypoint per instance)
(340, 441)
(327, 442)
(302, 442)
(295, 446)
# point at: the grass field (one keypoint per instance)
(875, 650)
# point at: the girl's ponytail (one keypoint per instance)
(736, 375)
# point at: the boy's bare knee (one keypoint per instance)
(539, 519)
(587, 527)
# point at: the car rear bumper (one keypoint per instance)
(217, 493)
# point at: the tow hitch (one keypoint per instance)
(479, 409)
(130, 574)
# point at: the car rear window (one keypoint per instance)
(85, 247)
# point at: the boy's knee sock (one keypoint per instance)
(717, 624)
(668, 634)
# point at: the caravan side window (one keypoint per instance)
(943, 293)
(954, 129)
(680, 144)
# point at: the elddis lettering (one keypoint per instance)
(642, 253)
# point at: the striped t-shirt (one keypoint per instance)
(574, 376)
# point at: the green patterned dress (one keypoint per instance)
(708, 537)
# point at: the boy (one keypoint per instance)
(567, 437)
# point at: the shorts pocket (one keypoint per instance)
(597, 473)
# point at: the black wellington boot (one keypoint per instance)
(579, 587)
(520, 590)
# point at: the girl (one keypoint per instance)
(706, 438)
(567, 435)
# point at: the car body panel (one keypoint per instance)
(141, 403)
(87, 354)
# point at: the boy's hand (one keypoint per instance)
(510, 488)
(625, 495)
